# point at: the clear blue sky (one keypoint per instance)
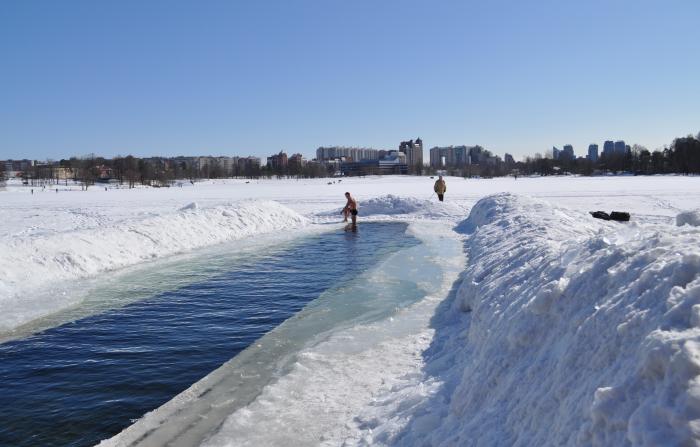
(239, 78)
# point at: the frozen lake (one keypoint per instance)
(431, 343)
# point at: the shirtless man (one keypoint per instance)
(350, 209)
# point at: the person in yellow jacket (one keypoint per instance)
(440, 188)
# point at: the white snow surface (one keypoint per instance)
(393, 207)
(564, 331)
(561, 330)
(30, 263)
(411, 207)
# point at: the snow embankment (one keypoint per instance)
(404, 208)
(566, 331)
(691, 218)
(30, 264)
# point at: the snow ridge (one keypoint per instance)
(405, 208)
(688, 218)
(40, 261)
(564, 331)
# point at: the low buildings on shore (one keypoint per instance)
(406, 158)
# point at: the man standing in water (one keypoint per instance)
(440, 188)
(350, 209)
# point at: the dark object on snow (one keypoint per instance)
(600, 215)
(620, 216)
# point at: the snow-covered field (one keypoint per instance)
(560, 330)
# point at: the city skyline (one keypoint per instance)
(178, 78)
(553, 152)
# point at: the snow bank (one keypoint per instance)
(40, 262)
(391, 206)
(563, 331)
(688, 217)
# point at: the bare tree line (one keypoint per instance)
(158, 172)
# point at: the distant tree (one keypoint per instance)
(179, 170)
(627, 161)
(614, 162)
(585, 167)
(216, 169)
(89, 172)
(331, 170)
(542, 165)
(641, 160)
(314, 170)
(658, 162)
(131, 170)
(75, 166)
(147, 172)
(294, 169)
(685, 155)
(164, 176)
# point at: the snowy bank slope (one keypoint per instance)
(40, 262)
(565, 331)
(688, 218)
(404, 208)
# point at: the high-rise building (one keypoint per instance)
(593, 152)
(246, 164)
(508, 159)
(297, 160)
(203, 163)
(226, 164)
(608, 147)
(620, 147)
(438, 157)
(461, 155)
(413, 151)
(351, 153)
(567, 152)
(278, 161)
(556, 153)
(477, 155)
(394, 162)
(456, 156)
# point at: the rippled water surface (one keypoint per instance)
(85, 381)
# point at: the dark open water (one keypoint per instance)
(85, 381)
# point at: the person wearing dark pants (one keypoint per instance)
(350, 209)
(440, 188)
